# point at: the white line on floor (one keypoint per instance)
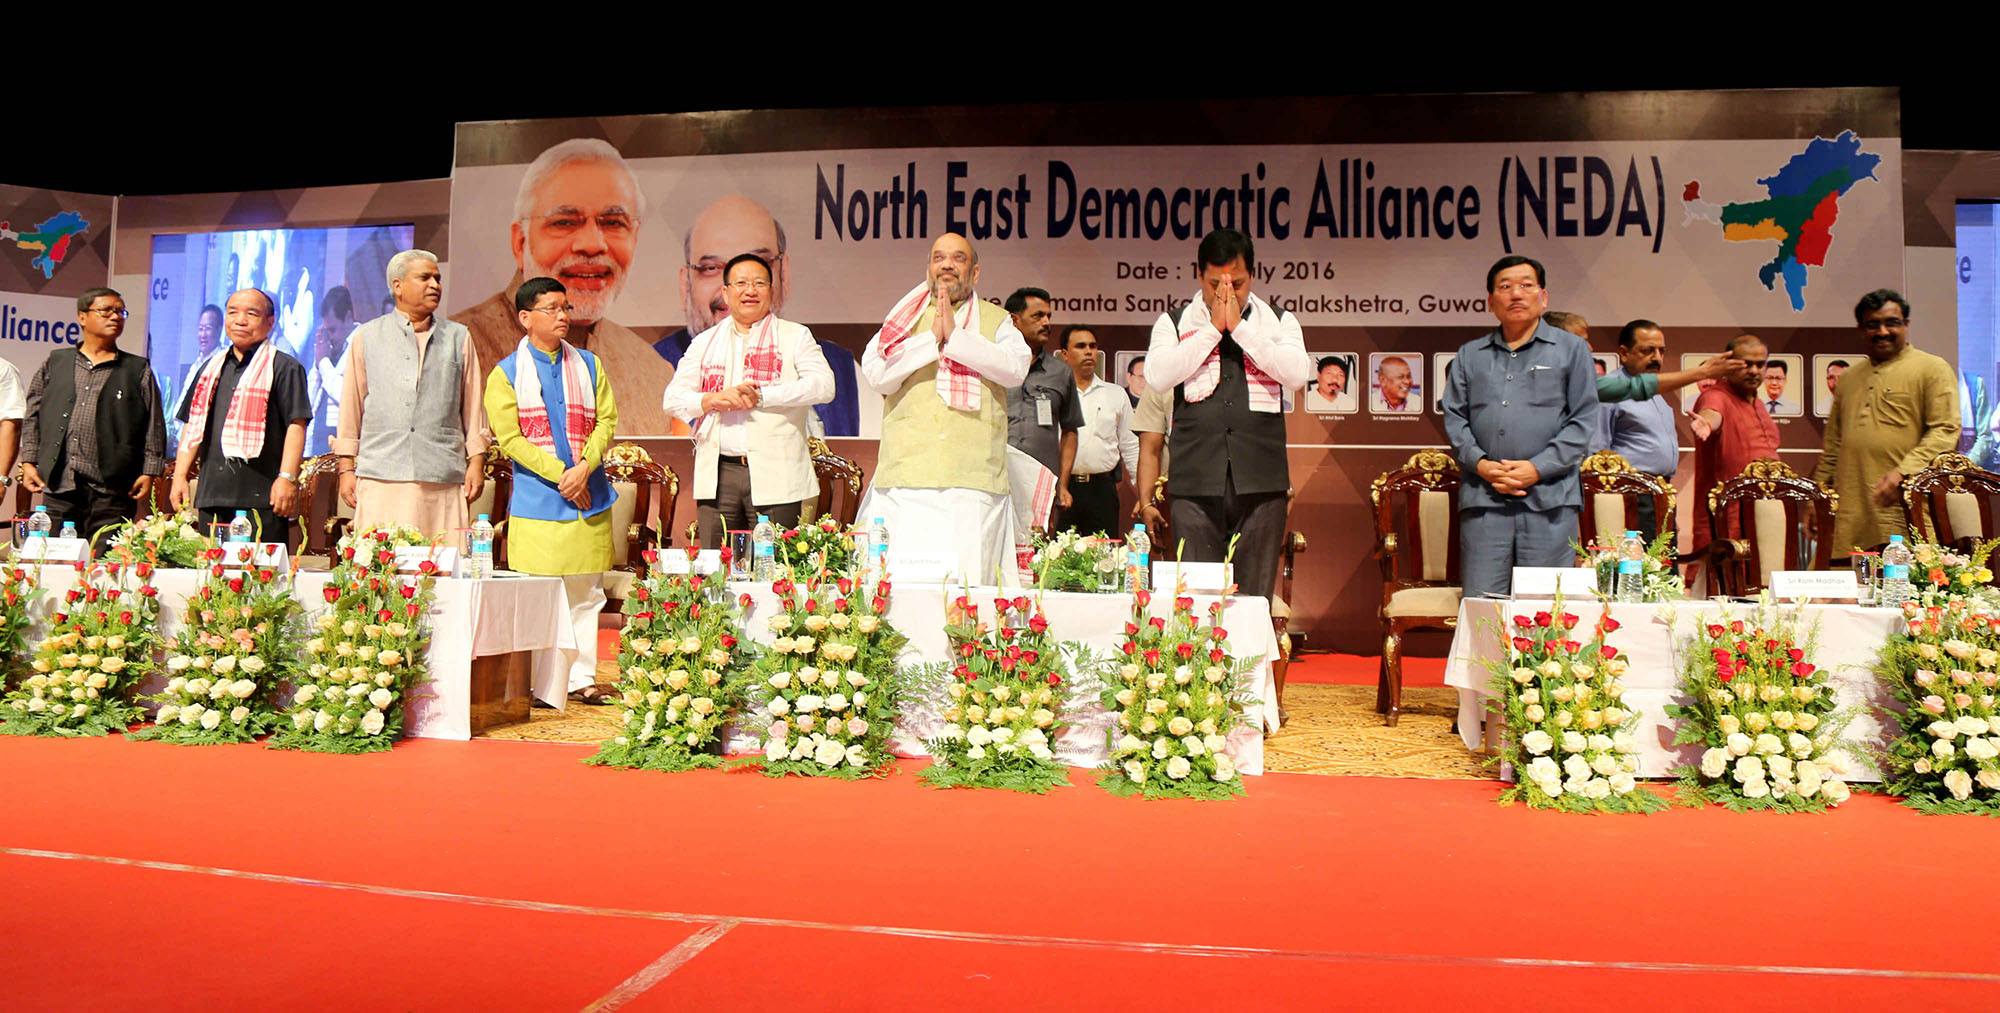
(653, 973)
(1014, 939)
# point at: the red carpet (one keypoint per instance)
(572, 884)
(1358, 670)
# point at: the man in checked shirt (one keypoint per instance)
(93, 440)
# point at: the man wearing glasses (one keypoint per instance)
(1520, 408)
(553, 414)
(747, 386)
(1891, 416)
(93, 439)
(576, 219)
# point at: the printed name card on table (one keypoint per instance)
(676, 561)
(1211, 578)
(935, 567)
(410, 558)
(1543, 581)
(53, 550)
(1818, 585)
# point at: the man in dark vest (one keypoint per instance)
(1232, 361)
(93, 440)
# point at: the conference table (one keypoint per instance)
(1096, 621)
(1653, 637)
(493, 642)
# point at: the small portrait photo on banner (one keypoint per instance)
(1129, 372)
(1332, 388)
(1780, 389)
(1826, 370)
(1440, 379)
(1607, 362)
(1395, 383)
(1689, 393)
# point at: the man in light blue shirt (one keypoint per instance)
(1519, 408)
(1641, 431)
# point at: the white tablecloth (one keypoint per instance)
(1096, 620)
(1652, 636)
(470, 619)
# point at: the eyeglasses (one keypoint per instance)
(565, 222)
(117, 314)
(757, 284)
(1525, 288)
(554, 311)
(1885, 324)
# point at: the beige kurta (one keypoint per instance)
(1898, 416)
(435, 508)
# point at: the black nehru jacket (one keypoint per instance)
(1218, 441)
(122, 417)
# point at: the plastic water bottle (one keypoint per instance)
(1631, 580)
(479, 554)
(878, 549)
(240, 529)
(1896, 559)
(39, 524)
(1633, 547)
(68, 530)
(1138, 559)
(764, 550)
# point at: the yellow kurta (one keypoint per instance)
(553, 548)
(1896, 416)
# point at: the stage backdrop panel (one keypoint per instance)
(1375, 218)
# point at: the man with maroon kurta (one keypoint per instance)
(1741, 431)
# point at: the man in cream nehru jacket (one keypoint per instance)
(943, 362)
(747, 386)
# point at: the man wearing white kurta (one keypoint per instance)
(746, 387)
(943, 361)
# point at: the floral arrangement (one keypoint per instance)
(1941, 574)
(238, 643)
(1661, 579)
(1073, 562)
(817, 549)
(1176, 693)
(1765, 715)
(18, 591)
(680, 670)
(1570, 739)
(1005, 696)
(98, 650)
(828, 687)
(1944, 670)
(367, 649)
(170, 540)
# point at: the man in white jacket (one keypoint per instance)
(746, 388)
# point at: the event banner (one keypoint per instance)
(1375, 221)
(53, 245)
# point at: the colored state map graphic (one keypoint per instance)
(49, 240)
(1802, 200)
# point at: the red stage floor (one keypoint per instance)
(505, 875)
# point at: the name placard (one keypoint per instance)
(410, 558)
(932, 567)
(1827, 584)
(1213, 578)
(705, 562)
(54, 550)
(1543, 581)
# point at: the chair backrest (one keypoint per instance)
(1416, 522)
(1612, 489)
(1951, 502)
(1772, 503)
(495, 497)
(839, 482)
(642, 515)
(1164, 536)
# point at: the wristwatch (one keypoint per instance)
(6, 481)
(289, 477)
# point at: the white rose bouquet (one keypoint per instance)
(681, 671)
(98, 650)
(828, 687)
(1073, 562)
(366, 649)
(1944, 672)
(1002, 700)
(170, 540)
(1765, 716)
(238, 643)
(1177, 692)
(818, 550)
(1570, 732)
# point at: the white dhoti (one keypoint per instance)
(556, 673)
(977, 526)
(1034, 492)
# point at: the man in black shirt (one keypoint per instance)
(1043, 413)
(247, 414)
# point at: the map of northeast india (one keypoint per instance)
(1798, 213)
(50, 239)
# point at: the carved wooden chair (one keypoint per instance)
(1786, 523)
(1952, 502)
(319, 496)
(839, 483)
(1416, 542)
(494, 499)
(1612, 492)
(642, 516)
